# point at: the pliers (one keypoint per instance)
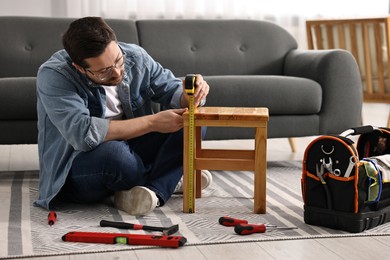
(320, 173)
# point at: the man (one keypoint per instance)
(98, 134)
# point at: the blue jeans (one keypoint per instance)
(154, 160)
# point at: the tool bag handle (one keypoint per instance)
(359, 130)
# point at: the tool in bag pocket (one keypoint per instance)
(344, 187)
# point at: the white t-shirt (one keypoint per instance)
(113, 104)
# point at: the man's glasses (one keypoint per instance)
(106, 73)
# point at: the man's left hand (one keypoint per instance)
(201, 91)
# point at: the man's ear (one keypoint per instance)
(79, 68)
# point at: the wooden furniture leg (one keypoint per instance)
(260, 171)
(293, 144)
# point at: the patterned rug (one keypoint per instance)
(27, 232)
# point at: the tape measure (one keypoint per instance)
(189, 87)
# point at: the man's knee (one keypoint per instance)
(118, 153)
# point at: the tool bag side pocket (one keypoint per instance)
(313, 192)
(344, 193)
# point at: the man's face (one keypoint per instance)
(108, 68)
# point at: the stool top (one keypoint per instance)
(232, 113)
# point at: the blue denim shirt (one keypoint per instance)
(71, 110)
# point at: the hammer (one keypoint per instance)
(123, 225)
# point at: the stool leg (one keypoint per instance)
(198, 184)
(260, 170)
(388, 121)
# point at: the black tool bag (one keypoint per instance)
(344, 187)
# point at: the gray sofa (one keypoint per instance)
(246, 63)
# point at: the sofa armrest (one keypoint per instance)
(338, 74)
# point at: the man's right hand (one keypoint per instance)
(168, 121)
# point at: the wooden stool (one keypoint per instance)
(220, 159)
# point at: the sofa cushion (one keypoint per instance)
(217, 47)
(18, 99)
(18, 132)
(281, 94)
(27, 42)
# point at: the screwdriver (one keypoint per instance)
(231, 222)
(51, 218)
(246, 229)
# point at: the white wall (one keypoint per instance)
(141, 9)
(291, 15)
(25, 8)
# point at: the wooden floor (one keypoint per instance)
(24, 157)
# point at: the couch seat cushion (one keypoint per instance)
(281, 94)
(18, 99)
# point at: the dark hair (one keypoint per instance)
(87, 37)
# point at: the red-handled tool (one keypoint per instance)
(246, 229)
(126, 239)
(231, 222)
(51, 218)
(123, 225)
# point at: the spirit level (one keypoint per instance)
(126, 239)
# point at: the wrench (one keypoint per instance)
(350, 166)
(337, 172)
(328, 166)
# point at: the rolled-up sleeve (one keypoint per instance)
(176, 98)
(97, 132)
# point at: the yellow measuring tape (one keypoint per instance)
(189, 86)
